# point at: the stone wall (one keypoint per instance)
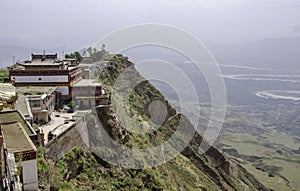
(76, 135)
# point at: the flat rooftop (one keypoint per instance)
(87, 83)
(16, 139)
(22, 103)
(14, 117)
(35, 90)
(23, 106)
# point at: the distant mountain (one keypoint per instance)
(7, 52)
(22, 48)
(279, 53)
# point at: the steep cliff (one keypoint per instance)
(188, 170)
(213, 166)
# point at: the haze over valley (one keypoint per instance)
(255, 44)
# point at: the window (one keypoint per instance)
(35, 104)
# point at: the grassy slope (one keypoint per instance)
(190, 170)
(82, 170)
(141, 96)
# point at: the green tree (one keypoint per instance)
(68, 56)
(75, 54)
(78, 56)
(3, 74)
(90, 50)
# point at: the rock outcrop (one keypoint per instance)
(221, 170)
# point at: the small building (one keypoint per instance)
(88, 93)
(86, 72)
(46, 70)
(86, 60)
(37, 102)
(19, 153)
(90, 71)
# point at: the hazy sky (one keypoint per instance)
(210, 20)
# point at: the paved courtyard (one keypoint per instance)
(59, 123)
